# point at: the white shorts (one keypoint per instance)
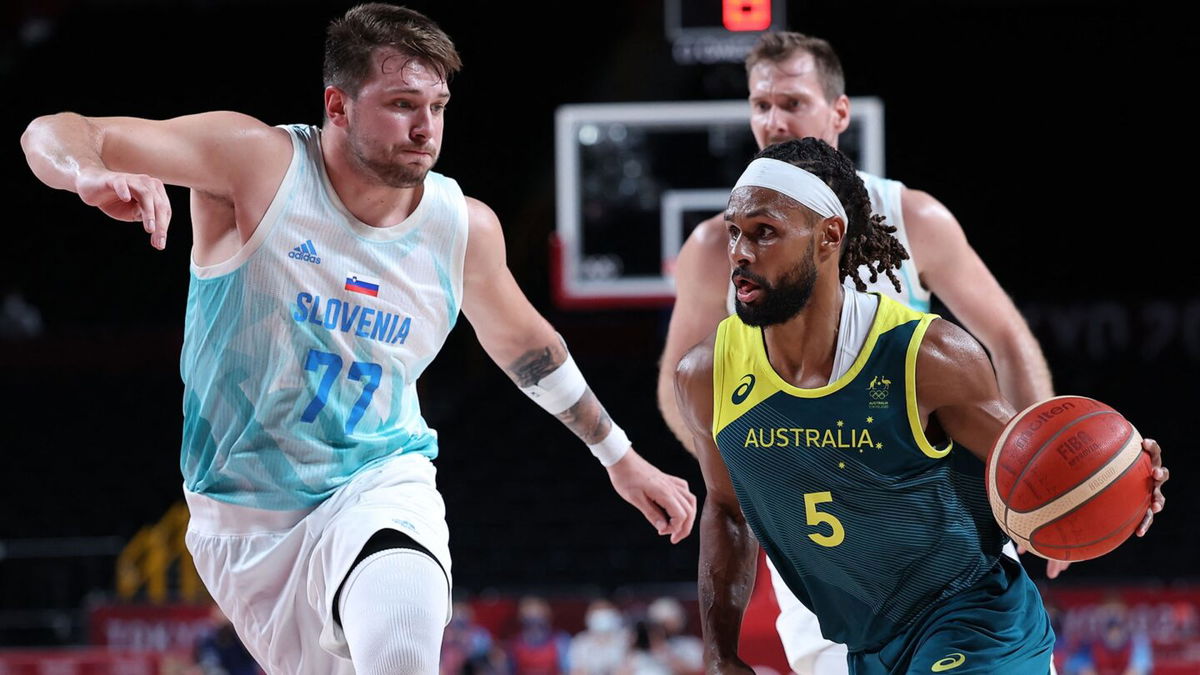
(275, 573)
(808, 652)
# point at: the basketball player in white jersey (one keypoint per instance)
(328, 265)
(797, 90)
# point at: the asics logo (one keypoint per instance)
(743, 389)
(949, 663)
(306, 252)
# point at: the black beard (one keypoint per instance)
(780, 302)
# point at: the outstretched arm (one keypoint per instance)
(119, 165)
(727, 547)
(953, 271)
(701, 284)
(533, 355)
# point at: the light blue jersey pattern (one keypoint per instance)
(885, 200)
(302, 352)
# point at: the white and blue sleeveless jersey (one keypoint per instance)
(302, 352)
(885, 200)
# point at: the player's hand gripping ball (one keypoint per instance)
(1068, 479)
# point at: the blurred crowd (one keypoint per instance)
(655, 638)
(1114, 645)
(642, 640)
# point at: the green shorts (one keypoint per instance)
(998, 627)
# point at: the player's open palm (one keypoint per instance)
(663, 499)
(128, 197)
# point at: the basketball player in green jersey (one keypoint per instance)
(825, 421)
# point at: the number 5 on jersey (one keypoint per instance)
(837, 533)
(369, 373)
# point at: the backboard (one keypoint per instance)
(633, 179)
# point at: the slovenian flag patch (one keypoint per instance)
(361, 283)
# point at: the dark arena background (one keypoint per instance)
(1024, 118)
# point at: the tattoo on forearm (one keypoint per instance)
(587, 419)
(533, 366)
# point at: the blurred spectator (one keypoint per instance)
(538, 649)
(601, 648)
(1118, 651)
(649, 653)
(219, 651)
(683, 653)
(467, 648)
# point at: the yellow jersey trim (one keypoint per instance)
(888, 315)
(742, 347)
(735, 363)
(718, 374)
(910, 392)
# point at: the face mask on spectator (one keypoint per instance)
(603, 620)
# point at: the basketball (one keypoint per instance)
(1068, 479)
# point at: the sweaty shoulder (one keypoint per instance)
(247, 147)
(265, 155)
(711, 235)
(694, 385)
(931, 228)
(246, 128)
(951, 367)
(247, 162)
(956, 382)
(485, 244)
(923, 207)
(482, 223)
(702, 278)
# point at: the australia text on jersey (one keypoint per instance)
(349, 317)
(782, 437)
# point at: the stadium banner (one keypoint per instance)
(1168, 618)
(148, 627)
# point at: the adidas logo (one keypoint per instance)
(306, 252)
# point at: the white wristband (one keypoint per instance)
(559, 390)
(614, 446)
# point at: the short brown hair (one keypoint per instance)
(350, 41)
(781, 46)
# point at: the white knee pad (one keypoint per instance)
(393, 609)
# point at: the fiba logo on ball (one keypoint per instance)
(1068, 478)
(877, 391)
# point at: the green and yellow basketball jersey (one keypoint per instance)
(868, 523)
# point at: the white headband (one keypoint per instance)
(796, 183)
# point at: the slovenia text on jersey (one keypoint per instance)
(348, 317)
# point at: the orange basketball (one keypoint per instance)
(1068, 479)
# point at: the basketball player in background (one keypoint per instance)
(797, 90)
(328, 265)
(879, 525)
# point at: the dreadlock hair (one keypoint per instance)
(868, 240)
